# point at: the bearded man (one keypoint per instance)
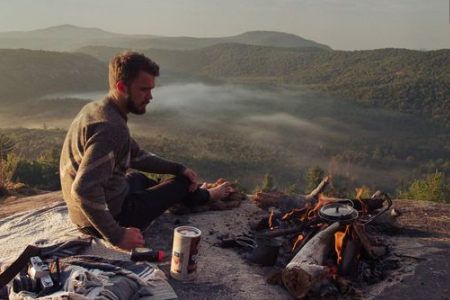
(103, 197)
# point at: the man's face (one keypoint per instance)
(140, 93)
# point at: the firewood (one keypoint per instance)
(373, 251)
(320, 188)
(343, 284)
(349, 263)
(305, 240)
(306, 268)
(266, 200)
(286, 202)
(282, 232)
(275, 277)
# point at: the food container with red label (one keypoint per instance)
(185, 252)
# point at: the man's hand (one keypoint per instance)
(192, 176)
(132, 239)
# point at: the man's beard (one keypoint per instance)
(132, 108)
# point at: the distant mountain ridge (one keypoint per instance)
(70, 37)
(257, 38)
(275, 39)
(62, 32)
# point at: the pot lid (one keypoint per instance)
(336, 212)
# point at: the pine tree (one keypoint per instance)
(6, 146)
(268, 184)
(313, 177)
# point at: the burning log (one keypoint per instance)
(282, 201)
(349, 257)
(319, 189)
(282, 232)
(372, 251)
(285, 202)
(306, 268)
(305, 240)
(288, 231)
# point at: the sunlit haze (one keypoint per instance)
(346, 25)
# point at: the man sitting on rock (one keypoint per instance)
(105, 199)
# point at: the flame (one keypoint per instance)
(321, 202)
(271, 220)
(299, 213)
(364, 208)
(298, 240)
(359, 192)
(340, 238)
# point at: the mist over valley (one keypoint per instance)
(377, 118)
(242, 132)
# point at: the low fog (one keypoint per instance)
(294, 129)
(306, 127)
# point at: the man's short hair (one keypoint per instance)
(127, 65)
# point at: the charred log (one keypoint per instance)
(288, 231)
(349, 263)
(289, 202)
(372, 251)
(306, 268)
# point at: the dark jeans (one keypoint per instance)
(148, 199)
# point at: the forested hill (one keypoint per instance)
(69, 37)
(257, 38)
(405, 80)
(25, 73)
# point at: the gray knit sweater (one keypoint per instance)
(96, 154)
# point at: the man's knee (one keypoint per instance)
(137, 181)
(183, 180)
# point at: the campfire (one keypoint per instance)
(326, 244)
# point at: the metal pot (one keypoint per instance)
(338, 212)
(343, 211)
(264, 250)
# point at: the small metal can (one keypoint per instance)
(185, 252)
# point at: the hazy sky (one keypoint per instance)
(341, 24)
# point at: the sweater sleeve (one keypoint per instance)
(148, 162)
(88, 189)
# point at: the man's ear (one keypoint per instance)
(121, 87)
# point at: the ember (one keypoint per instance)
(297, 241)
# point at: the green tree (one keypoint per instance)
(49, 165)
(294, 189)
(313, 177)
(6, 146)
(7, 160)
(433, 188)
(8, 169)
(267, 184)
(41, 173)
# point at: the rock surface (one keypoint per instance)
(419, 241)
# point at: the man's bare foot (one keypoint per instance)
(219, 192)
